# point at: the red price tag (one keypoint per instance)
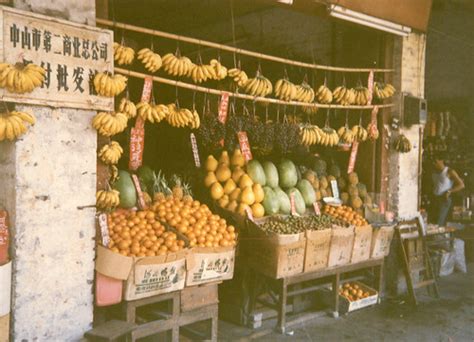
(194, 146)
(137, 146)
(244, 145)
(147, 87)
(293, 204)
(249, 214)
(141, 199)
(353, 157)
(382, 207)
(4, 237)
(370, 86)
(317, 210)
(223, 107)
(104, 229)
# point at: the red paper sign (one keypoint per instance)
(382, 207)
(194, 146)
(370, 86)
(137, 146)
(141, 199)
(249, 214)
(104, 229)
(223, 107)
(373, 115)
(353, 157)
(317, 210)
(292, 202)
(244, 145)
(147, 87)
(4, 237)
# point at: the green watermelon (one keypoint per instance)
(307, 191)
(284, 200)
(256, 172)
(287, 174)
(145, 174)
(128, 193)
(270, 201)
(299, 200)
(271, 174)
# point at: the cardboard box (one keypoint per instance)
(362, 243)
(198, 296)
(342, 242)
(5, 328)
(144, 277)
(205, 265)
(381, 240)
(318, 243)
(345, 305)
(5, 288)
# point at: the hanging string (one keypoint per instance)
(232, 20)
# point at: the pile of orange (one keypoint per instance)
(139, 234)
(353, 292)
(346, 214)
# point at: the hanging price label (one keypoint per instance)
(223, 107)
(334, 188)
(104, 229)
(4, 237)
(244, 145)
(370, 86)
(293, 204)
(373, 115)
(147, 87)
(137, 146)
(249, 214)
(141, 199)
(194, 146)
(382, 206)
(353, 157)
(317, 210)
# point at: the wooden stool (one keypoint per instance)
(111, 331)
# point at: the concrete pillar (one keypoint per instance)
(44, 177)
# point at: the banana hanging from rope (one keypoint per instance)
(151, 60)
(109, 124)
(111, 153)
(128, 108)
(123, 55)
(239, 77)
(14, 124)
(107, 199)
(177, 66)
(109, 85)
(21, 78)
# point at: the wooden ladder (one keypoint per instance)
(416, 259)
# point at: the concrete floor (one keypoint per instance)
(450, 318)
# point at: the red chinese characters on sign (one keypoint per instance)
(104, 229)
(317, 210)
(223, 107)
(147, 87)
(373, 120)
(194, 146)
(141, 199)
(353, 157)
(137, 145)
(244, 145)
(370, 86)
(4, 237)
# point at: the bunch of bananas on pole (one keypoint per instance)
(258, 86)
(107, 199)
(344, 96)
(346, 136)
(113, 173)
(239, 76)
(372, 130)
(360, 133)
(329, 137)
(128, 108)
(310, 109)
(111, 153)
(152, 112)
(304, 93)
(202, 72)
(108, 124)
(310, 134)
(402, 144)
(182, 117)
(361, 96)
(14, 124)
(219, 70)
(383, 90)
(21, 78)
(123, 55)
(177, 66)
(109, 85)
(324, 94)
(151, 60)
(285, 90)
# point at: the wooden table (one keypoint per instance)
(291, 287)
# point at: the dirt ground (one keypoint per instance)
(450, 318)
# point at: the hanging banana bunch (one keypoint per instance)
(324, 94)
(128, 108)
(310, 109)
(258, 86)
(108, 124)
(14, 124)
(239, 76)
(310, 134)
(360, 133)
(109, 85)
(110, 154)
(383, 90)
(304, 93)
(177, 65)
(107, 199)
(21, 78)
(220, 71)
(285, 90)
(182, 117)
(361, 96)
(402, 144)
(151, 60)
(123, 55)
(344, 96)
(203, 72)
(152, 112)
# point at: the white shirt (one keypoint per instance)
(442, 182)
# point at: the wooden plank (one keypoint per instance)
(110, 330)
(199, 296)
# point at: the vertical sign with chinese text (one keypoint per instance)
(70, 53)
(244, 145)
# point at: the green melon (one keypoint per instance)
(299, 200)
(271, 174)
(270, 201)
(128, 193)
(287, 173)
(284, 200)
(256, 172)
(307, 191)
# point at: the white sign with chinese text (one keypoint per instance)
(70, 53)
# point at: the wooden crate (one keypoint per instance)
(198, 296)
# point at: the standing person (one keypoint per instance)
(446, 181)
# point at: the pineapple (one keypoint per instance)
(160, 187)
(188, 195)
(177, 189)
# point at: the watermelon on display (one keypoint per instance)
(128, 193)
(287, 174)
(256, 172)
(284, 200)
(271, 174)
(299, 200)
(270, 201)
(307, 191)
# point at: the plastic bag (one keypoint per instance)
(460, 258)
(446, 265)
